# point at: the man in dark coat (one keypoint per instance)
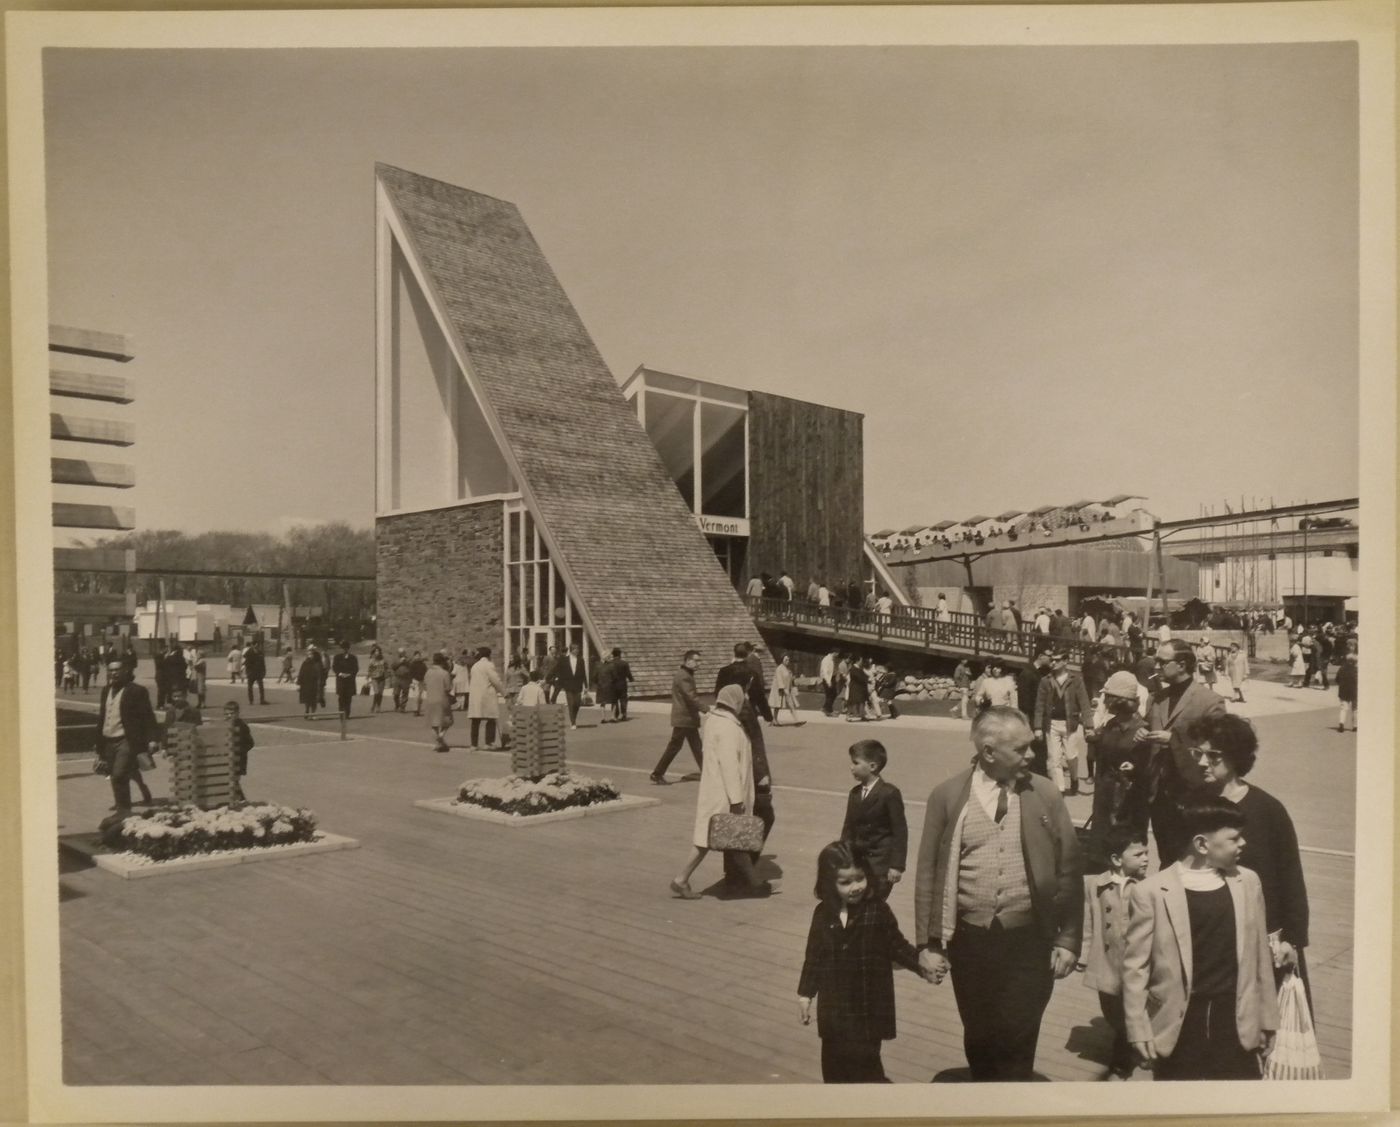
(570, 677)
(126, 727)
(255, 669)
(1180, 703)
(741, 671)
(1027, 691)
(346, 667)
(621, 678)
(685, 717)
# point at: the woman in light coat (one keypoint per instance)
(485, 700)
(726, 786)
(437, 699)
(462, 679)
(783, 694)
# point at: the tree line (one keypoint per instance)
(332, 549)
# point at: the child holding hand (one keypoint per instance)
(852, 948)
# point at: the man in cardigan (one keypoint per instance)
(685, 717)
(998, 896)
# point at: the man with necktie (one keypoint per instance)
(997, 896)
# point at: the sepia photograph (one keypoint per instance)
(595, 551)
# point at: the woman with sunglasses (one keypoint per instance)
(1224, 749)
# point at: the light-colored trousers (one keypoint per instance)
(1064, 767)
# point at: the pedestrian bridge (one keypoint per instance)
(909, 629)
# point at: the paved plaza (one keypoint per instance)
(451, 951)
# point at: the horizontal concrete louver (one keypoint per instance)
(640, 564)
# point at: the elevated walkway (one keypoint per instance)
(909, 629)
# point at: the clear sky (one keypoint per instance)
(1041, 273)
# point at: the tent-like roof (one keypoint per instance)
(635, 559)
(912, 529)
(883, 533)
(974, 520)
(1040, 512)
(1081, 504)
(1012, 514)
(941, 525)
(1119, 498)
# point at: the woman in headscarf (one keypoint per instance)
(437, 697)
(726, 787)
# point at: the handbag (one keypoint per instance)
(364, 689)
(743, 832)
(1295, 1055)
(145, 761)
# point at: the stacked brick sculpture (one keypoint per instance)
(537, 741)
(204, 763)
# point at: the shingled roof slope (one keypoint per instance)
(639, 562)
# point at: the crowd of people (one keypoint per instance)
(1004, 883)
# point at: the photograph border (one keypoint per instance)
(27, 779)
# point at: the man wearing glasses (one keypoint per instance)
(1179, 704)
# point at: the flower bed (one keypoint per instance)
(185, 831)
(559, 790)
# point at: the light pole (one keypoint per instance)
(1304, 524)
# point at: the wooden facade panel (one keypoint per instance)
(108, 432)
(93, 516)
(78, 471)
(806, 490)
(88, 385)
(90, 342)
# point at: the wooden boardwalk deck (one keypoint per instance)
(447, 951)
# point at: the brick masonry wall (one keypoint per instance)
(440, 578)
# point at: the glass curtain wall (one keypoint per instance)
(539, 611)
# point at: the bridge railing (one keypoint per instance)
(919, 626)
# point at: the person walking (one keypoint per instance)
(621, 679)
(255, 671)
(745, 671)
(418, 670)
(1347, 677)
(1177, 707)
(346, 667)
(485, 702)
(235, 664)
(1297, 665)
(830, 686)
(402, 672)
(685, 718)
(570, 677)
(378, 674)
(857, 689)
(462, 680)
(126, 728)
(998, 897)
(1061, 711)
(783, 694)
(436, 695)
(853, 946)
(288, 661)
(547, 666)
(311, 678)
(726, 787)
(1237, 669)
(962, 682)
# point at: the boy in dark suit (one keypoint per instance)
(875, 817)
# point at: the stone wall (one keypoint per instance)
(440, 579)
(1031, 596)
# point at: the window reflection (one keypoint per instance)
(722, 461)
(670, 424)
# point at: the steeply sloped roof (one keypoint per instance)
(639, 563)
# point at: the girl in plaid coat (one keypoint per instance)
(852, 948)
